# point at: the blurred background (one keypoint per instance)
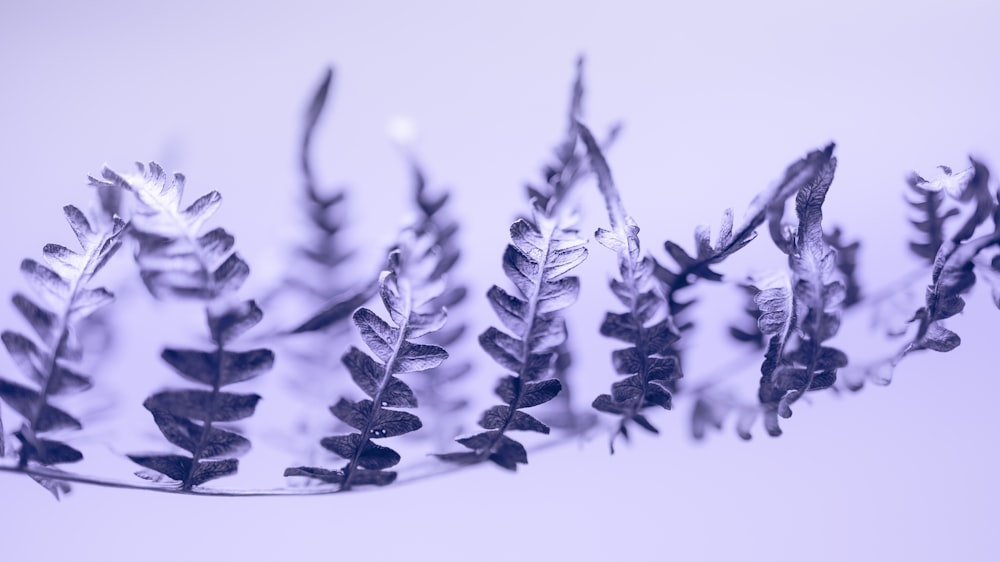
(716, 99)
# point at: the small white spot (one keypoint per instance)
(402, 130)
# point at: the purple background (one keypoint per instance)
(716, 101)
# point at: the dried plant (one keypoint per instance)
(789, 318)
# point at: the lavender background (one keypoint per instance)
(716, 100)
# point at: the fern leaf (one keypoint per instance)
(561, 175)
(432, 388)
(66, 301)
(409, 294)
(177, 261)
(542, 251)
(649, 363)
(769, 206)
(325, 255)
(797, 361)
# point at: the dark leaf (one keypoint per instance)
(335, 312)
(175, 467)
(377, 333)
(373, 478)
(365, 372)
(48, 452)
(204, 367)
(327, 476)
(642, 422)
(547, 333)
(417, 357)
(604, 403)
(26, 402)
(557, 295)
(520, 270)
(479, 440)
(626, 361)
(43, 321)
(230, 276)
(398, 395)
(203, 208)
(190, 436)
(216, 244)
(234, 321)
(503, 348)
(511, 310)
(525, 422)
(204, 405)
(940, 339)
(464, 458)
(28, 357)
(509, 453)
(627, 390)
(210, 470)
(46, 280)
(621, 327)
(495, 417)
(390, 423)
(540, 392)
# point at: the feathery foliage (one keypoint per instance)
(649, 364)
(325, 253)
(65, 302)
(544, 247)
(409, 288)
(953, 272)
(177, 261)
(805, 315)
(795, 312)
(570, 168)
(434, 222)
(768, 205)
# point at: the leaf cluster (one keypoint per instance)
(325, 254)
(649, 363)
(541, 253)
(408, 289)
(805, 315)
(177, 261)
(769, 205)
(435, 222)
(64, 301)
(953, 271)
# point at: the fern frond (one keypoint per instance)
(62, 285)
(769, 205)
(797, 361)
(649, 364)
(408, 292)
(954, 265)
(177, 261)
(442, 230)
(542, 251)
(569, 168)
(325, 254)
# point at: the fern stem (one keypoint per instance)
(210, 417)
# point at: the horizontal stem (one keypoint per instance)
(437, 468)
